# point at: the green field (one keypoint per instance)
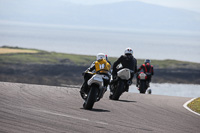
(195, 105)
(51, 68)
(43, 57)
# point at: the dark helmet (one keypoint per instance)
(147, 61)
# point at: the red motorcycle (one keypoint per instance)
(143, 83)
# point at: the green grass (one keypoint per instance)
(43, 57)
(195, 105)
(174, 64)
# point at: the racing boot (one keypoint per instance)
(111, 91)
(127, 88)
(83, 90)
(149, 91)
(137, 82)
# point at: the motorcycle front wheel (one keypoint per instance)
(91, 98)
(118, 90)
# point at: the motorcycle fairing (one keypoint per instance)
(142, 76)
(97, 79)
(124, 74)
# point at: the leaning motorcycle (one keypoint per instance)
(121, 83)
(97, 87)
(143, 83)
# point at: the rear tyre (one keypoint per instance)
(143, 86)
(91, 98)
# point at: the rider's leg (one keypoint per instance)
(84, 88)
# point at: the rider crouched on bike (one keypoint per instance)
(147, 68)
(125, 61)
(100, 66)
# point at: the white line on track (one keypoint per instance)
(70, 116)
(185, 106)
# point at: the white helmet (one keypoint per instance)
(101, 56)
(128, 51)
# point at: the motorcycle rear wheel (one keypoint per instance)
(143, 87)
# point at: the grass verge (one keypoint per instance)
(16, 55)
(195, 105)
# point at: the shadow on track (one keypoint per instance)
(126, 101)
(98, 110)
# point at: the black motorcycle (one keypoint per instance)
(121, 83)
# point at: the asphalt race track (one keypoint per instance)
(26, 108)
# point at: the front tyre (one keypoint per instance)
(119, 90)
(91, 98)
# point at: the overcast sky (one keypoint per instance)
(185, 4)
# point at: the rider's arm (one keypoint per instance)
(117, 62)
(135, 69)
(92, 67)
(139, 68)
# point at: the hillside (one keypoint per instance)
(50, 68)
(129, 14)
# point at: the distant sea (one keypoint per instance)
(180, 90)
(178, 45)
